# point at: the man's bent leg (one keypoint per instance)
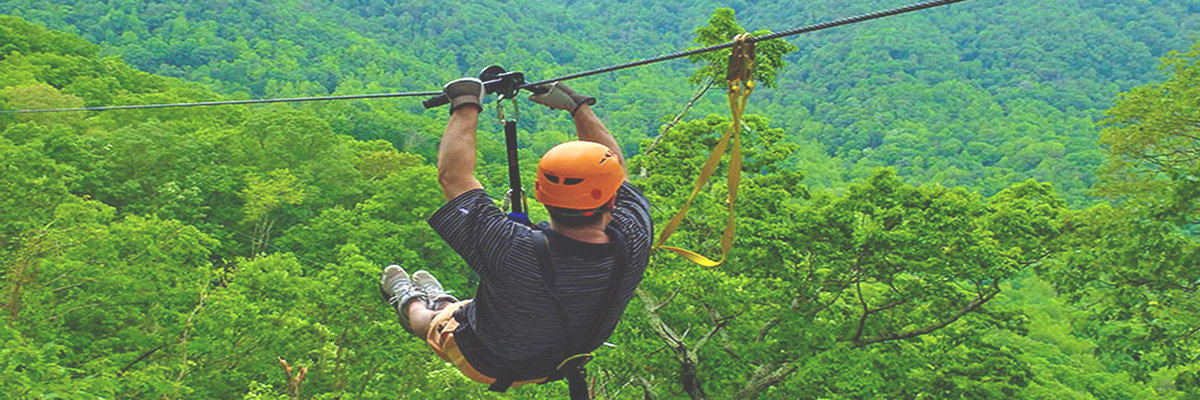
(441, 339)
(420, 317)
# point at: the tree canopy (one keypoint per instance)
(949, 205)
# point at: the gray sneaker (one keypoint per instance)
(398, 290)
(434, 294)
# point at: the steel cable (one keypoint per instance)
(777, 35)
(220, 103)
(790, 32)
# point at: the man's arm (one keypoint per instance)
(456, 154)
(587, 126)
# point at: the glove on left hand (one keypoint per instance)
(465, 92)
(561, 97)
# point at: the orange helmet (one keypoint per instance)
(578, 175)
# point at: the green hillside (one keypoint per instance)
(981, 94)
(990, 200)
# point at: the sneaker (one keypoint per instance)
(398, 290)
(434, 293)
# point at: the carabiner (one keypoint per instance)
(516, 111)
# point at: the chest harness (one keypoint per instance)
(576, 351)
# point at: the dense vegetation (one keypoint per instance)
(182, 253)
(979, 95)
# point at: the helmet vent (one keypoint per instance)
(564, 181)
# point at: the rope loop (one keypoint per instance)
(740, 78)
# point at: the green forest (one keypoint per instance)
(987, 200)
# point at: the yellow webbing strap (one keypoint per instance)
(741, 82)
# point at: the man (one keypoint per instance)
(546, 293)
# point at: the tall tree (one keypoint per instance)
(1135, 261)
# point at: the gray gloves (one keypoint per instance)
(561, 97)
(464, 92)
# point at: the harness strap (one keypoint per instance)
(541, 247)
(576, 376)
(575, 358)
(501, 385)
(621, 256)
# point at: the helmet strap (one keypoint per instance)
(611, 204)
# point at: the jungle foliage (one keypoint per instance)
(929, 207)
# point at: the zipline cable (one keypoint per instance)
(221, 103)
(777, 35)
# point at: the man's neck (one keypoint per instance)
(587, 235)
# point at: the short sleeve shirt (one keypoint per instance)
(513, 315)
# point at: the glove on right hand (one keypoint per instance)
(465, 92)
(561, 97)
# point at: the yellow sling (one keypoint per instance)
(740, 77)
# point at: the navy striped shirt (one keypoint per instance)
(514, 319)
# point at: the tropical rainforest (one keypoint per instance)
(991, 199)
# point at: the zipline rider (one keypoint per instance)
(548, 294)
